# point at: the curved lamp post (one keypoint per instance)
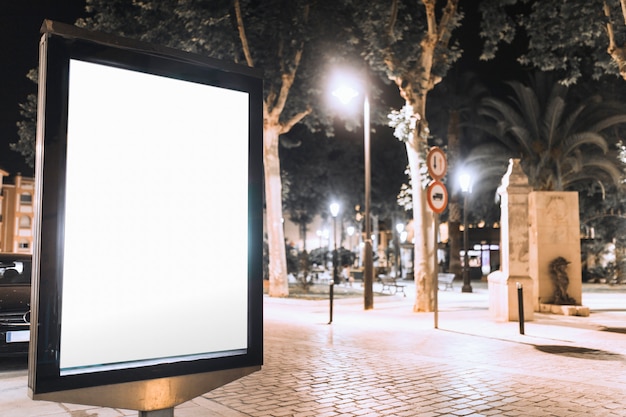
(465, 181)
(345, 94)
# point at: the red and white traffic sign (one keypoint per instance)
(437, 163)
(437, 196)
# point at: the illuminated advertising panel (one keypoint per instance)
(149, 205)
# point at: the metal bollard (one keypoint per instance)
(520, 307)
(331, 287)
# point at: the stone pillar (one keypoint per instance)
(554, 232)
(514, 249)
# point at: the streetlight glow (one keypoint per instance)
(345, 94)
(465, 181)
(342, 90)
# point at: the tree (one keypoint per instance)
(559, 144)
(574, 37)
(410, 44)
(455, 101)
(286, 39)
(318, 171)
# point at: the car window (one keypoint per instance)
(14, 272)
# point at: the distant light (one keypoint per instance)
(465, 181)
(350, 230)
(334, 209)
(400, 227)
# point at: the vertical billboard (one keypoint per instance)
(148, 261)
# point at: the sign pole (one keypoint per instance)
(437, 198)
(436, 275)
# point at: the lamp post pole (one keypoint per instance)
(368, 261)
(334, 211)
(345, 94)
(399, 229)
(465, 181)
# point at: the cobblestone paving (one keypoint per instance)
(393, 362)
(363, 366)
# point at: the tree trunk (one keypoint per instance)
(454, 209)
(423, 266)
(303, 230)
(279, 286)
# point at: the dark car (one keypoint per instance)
(15, 272)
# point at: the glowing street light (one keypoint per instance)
(350, 230)
(345, 94)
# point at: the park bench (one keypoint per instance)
(446, 279)
(391, 283)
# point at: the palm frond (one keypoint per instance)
(595, 168)
(608, 122)
(551, 120)
(528, 105)
(577, 140)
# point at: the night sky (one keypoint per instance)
(20, 21)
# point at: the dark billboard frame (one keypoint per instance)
(61, 44)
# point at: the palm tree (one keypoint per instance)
(456, 100)
(559, 144)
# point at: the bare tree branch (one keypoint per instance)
(287, 81)
(286, 127)
(392, 18)
(242, 35)
(448, 13)
(618, 53)
(288, 77)
(431, 19)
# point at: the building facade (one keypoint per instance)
(17, 216)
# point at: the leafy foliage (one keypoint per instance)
(559, 143)
(576, 38)
(27, 127)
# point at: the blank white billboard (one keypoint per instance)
(155, 264)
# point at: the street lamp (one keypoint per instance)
(400, 230)
(465, 181)
(334, 211)
(350, 231)
(345, 94)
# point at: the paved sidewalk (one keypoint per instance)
(392, 362)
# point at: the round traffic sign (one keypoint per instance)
(437, 163)
(437, 196)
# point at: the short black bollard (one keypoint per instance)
(331, 287)
(520, 307)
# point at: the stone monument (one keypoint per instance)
(514, 249)
(554, 228)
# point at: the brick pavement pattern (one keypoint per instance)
(392, 362)
(378, 364)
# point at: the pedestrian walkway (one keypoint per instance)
(392, 362)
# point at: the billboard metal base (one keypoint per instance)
(168, 412)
